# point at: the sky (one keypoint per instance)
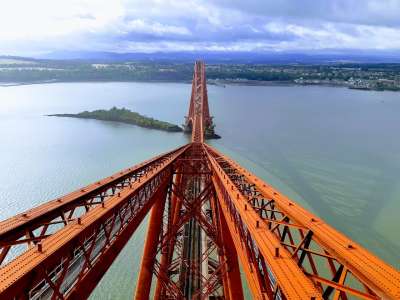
(45, 26)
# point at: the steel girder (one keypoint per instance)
(199, 119)
(275, 274)
(337, 267)
(69, 264)
(25, 230)
(191, 262)
(146, 270)
(232, 282)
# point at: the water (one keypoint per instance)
(335, 151)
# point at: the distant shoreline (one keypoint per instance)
(365, 76)
(291, 83)
(221, 83)
(10, 84)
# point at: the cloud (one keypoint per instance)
(30, 27)
(154, 28)
(363, 12)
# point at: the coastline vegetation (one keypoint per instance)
(369, 76)
(124, 115)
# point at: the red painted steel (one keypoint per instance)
(167, 250)
(36, 224)
(337, 266)
(69, 264)
(146, 270)
(277, 275)
(208, 213)
(189, 248)
(232, 281)
(199, 120)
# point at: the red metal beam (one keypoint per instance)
(189, 267)
(150, 249)
(233, 289)
(167, 250)
(281, 272)
(305, 238)
(88, 246)
(199, 120)
(46, 219)
(258, 289)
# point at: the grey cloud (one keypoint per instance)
(363, 12)
(235, 25)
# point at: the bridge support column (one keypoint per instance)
(232, 281)
(150, 249)
(167, 252)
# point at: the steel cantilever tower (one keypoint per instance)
(210, 219)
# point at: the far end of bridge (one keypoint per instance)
(198, 122)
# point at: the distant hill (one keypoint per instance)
(10, 60)
(310, 57)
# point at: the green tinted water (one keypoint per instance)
(335, 151)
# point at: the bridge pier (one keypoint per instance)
(144, 281)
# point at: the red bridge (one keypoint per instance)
(209, 220)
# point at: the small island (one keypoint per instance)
(123, 115)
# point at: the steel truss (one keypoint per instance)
(207, 214)
(69, 264)
(199, 121)
(337, 267)
(189, 260)
(25, 230)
